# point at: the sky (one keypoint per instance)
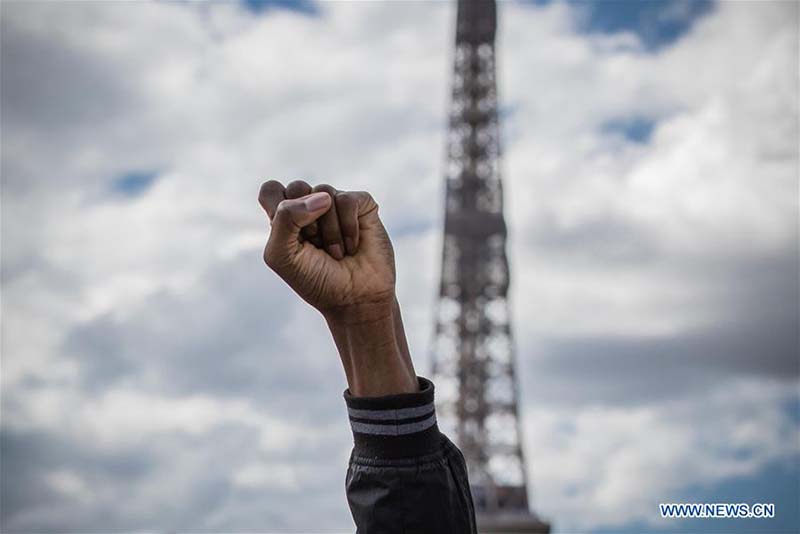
(157, 377)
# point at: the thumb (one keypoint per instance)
(290, 217)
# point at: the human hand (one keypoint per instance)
(330, 247)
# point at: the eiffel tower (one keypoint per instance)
(473, 360)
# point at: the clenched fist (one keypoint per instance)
(329, 246)
(332, 249)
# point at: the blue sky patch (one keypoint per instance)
(657, 23)
(635, 129)
(306, 7)
(792, 407)
(134, 183)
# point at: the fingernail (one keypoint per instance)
(336, 251)
(350, 245)
(316, 201)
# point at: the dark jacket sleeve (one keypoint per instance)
(404, 475)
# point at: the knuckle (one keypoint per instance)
(325, 188)
(281, 209)
(367, 199)
(346, 201)
(268, 187)
(281, 213)
(297, 188)
(345, 196)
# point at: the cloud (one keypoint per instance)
(590, 460)
(148, 353)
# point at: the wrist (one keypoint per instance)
(360, 314)
(373, 348)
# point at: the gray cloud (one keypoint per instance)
(144, 485)
(644, 370)
(232, 338)
(30, 457)
(49, 85)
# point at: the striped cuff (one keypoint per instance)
(394, 426)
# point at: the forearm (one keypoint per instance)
(372, 346)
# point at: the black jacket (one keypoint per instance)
(405, 477)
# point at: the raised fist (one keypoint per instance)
(330, 247)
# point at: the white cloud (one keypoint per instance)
(70, 484)
(588, 463)
(715, 183)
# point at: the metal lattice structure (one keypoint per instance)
(473, 360)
